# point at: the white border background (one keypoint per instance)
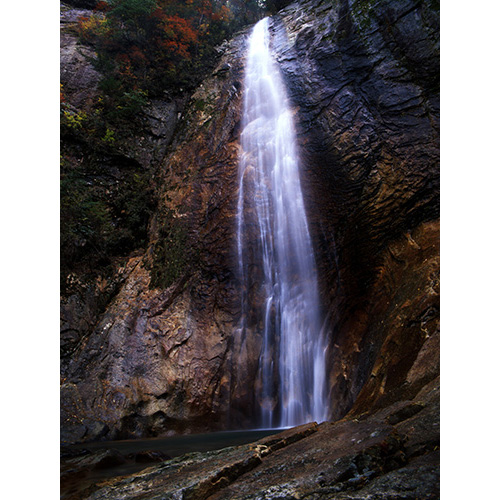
(29, 198)
(470, 248)
(29, 209)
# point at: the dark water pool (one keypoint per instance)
(179, 445)
(76, 479)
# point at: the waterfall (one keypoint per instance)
(280, 299)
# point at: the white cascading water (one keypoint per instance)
(276, 260)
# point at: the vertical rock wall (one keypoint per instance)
(364, 77)
(159, 359)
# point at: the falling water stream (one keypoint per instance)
(280, 297)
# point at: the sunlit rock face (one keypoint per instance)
(362, 80)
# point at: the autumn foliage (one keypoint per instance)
(144, 49)
(157, 45)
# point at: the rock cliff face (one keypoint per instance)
(137, 151)
(364, 77)
(162, 358)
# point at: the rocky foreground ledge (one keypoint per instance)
(391, 454)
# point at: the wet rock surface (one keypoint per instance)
(391, 454)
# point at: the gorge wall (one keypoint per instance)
(152, 349)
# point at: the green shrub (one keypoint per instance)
(101, 218)
(73, 119)
(109, 137)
